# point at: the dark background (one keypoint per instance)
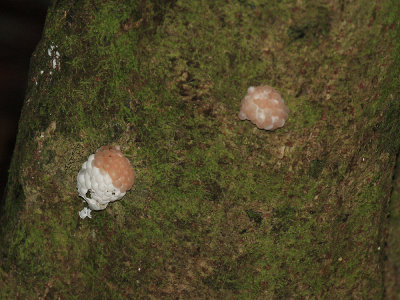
(21, 24)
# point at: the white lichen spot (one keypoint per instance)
(55, 58)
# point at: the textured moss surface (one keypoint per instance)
(220, 209)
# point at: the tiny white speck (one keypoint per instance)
(363, 159)
(86, 212)
(49, 52)
(340, 259)
(139, 269)
(379, 248)
(54, 63)
(57, 54)
(41, 72)
(50, 72)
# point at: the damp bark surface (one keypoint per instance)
(219, 208)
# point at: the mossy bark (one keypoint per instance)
(220, 209)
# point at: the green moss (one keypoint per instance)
(316, 167)
(312, 22)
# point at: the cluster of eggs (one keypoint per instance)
(265, 107)
(104, 177)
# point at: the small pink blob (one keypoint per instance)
(111, 160)
(264, 107)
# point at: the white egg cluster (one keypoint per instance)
(96, 187)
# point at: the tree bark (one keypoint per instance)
(219, 209)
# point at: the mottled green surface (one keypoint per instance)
(220, 209)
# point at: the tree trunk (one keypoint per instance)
(220, 209)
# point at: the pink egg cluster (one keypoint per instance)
(264, 107)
